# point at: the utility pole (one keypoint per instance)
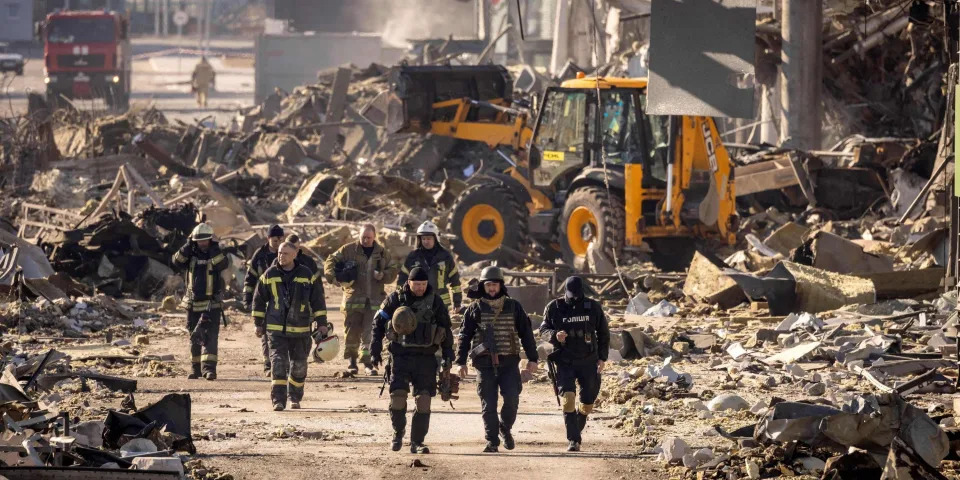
(165, 16)
(156, 18)
(801, 74)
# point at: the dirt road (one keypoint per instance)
(346, 428)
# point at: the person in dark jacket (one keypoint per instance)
(416, 322)
(577, 328)
(289, 309)
(303, 258)
(203, 261)
(494, 329)
(262, 258)
(439, 264)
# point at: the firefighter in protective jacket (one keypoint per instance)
(577, 328)
(437, 262)
(494, 329)
(289, 308)
(416, 322)
(203, 261)
(262, 258)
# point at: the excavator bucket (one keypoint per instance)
(408, 107)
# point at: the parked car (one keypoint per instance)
(9, 61)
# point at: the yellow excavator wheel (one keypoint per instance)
(581, 230)
(470, 229)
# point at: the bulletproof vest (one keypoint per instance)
(581, 333)
(425, 334)
(499, 329)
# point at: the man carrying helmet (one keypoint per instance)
(416, 322)
(437, 262)
(361, 268)
(262, 258)
(203, 261)
(577, 328)
(494, 329)
(289, 308)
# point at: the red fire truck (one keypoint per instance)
(86, 55)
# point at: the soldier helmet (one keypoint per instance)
(404, 321)
(326, 349)
(202, 231)
(489, 274)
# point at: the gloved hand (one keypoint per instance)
(321, 332)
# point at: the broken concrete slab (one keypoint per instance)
(830, 252)
(706, 283)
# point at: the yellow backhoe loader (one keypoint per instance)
(593, 167)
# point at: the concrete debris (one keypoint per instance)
(727, 401)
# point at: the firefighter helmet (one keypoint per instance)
(202, 231)
(404, 321)
(428, 228)
(326, 349)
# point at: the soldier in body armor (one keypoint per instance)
(577, 328)
(494, 329)
(415, 321)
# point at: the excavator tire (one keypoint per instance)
(484, 217)
(591, 215)
(672, 254)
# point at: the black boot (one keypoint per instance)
(507, 438)
(352, 368)
(573, 446)
(572, 423)
(491, 448)
(399, 420)
(196, 372)
(418, 432)
(582, 420)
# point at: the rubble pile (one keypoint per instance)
(74, 405)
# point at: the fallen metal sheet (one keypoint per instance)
(30, 258)
(83, 473)
(910, 367)
(10, 390)
(793, 421)
(776, 288)
(701, 53)
(172, 412)
(113, 383)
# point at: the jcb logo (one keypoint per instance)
(708, 143)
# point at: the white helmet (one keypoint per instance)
(326, 349)
(202, 231)
(428, 228)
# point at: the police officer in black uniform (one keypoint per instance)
(416, 322)
(494, 328)
(577, 328)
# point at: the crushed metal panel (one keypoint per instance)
(701, 57)
(83, 473)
